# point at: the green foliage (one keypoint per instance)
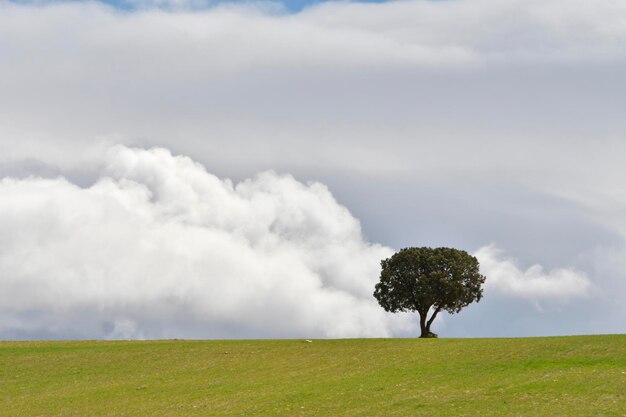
(556, 376)
(418, 279)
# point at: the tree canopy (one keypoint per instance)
(421, 279)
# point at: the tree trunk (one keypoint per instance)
(423, 327)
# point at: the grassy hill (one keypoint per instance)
(556, 376)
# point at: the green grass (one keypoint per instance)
(556, 376)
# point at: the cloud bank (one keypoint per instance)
(158, 238)
(442, 123)
(425, 76)
(159, 247)
(338, 86)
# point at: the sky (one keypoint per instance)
(186, 169)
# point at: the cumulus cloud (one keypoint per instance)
(159, 247)
(534, 283)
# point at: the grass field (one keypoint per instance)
(557, 376)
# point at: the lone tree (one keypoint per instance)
(418, 279)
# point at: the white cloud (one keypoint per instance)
(347, 74)
(421, 75)
(534, 283)
(158, 245)
(490, 29)
(457, 100)
(330, 36)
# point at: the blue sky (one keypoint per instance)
(290, 5)
(152, 162)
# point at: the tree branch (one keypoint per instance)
(430, 320)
